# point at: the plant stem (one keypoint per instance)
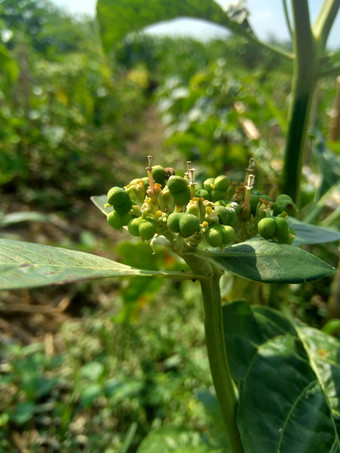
(220, 371)
(304, 84)
(209, 278)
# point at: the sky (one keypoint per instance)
(266, 17)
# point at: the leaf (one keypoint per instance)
(18, 217)
(100, 201)
(26, 265)
(120, 17)
(174, 439)
(307, 234)
(288, 377)
(269, 262)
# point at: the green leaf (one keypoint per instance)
(288, 377)
(174, 439)
(18, 217)
(100, 201)
(269, 262)
(119, 17)
(307, 234)
(26, 265)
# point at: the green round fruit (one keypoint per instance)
(173, 221)
(282, 230)
(188, 225)
(133, 226)
(146, 229)
(222, 182)
(217, 194)
(202, 193)
(115, 220)
(117, 196)
(124, 207)
(223, 214)
(228, 234)
(284, 203)
(214, 236)
(177, 184)
(181, 198)
(209, 184)
(267, 227)
(159, 174)
(234, 205)
(232, 216)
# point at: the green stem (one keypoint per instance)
(217, 354)
(285, 9)
(220, 371)
(325, 20)
(304, 84)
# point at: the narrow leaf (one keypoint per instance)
(269, 262)
(26, 265)
(288, 379)
(307, 234)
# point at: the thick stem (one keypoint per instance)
(304, 84)
(220, 371)
(217, 354)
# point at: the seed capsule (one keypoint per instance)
(117, 221)
(228, 234)
(188, 225)
(209, 184)
(119, 199)
(282, 230)
(133, 226)
(214, 236)
(146, 229)
(159, 174)
(173, 221)
(222, 182)
(223, 214)
(267, 227)
(284, 203)
(177, 184)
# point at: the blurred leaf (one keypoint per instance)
(26, 265)
(118, 18)
(92, 371)
(288, 376)
(90, 393)
(312, 234)
(329, 165)
(332, 327)
(269, 262)
(173, 439)
(23, 413)
(8, 66)
(18, 217)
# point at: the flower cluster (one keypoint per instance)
(185, 213)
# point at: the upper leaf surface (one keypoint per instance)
(288, 377)
(117, 18)
(26, 265)
(269, 262)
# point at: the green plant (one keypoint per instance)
(30, 265)
(273, 376)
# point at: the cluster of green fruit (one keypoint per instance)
(181, 210)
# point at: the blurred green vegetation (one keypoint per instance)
(68, 117)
